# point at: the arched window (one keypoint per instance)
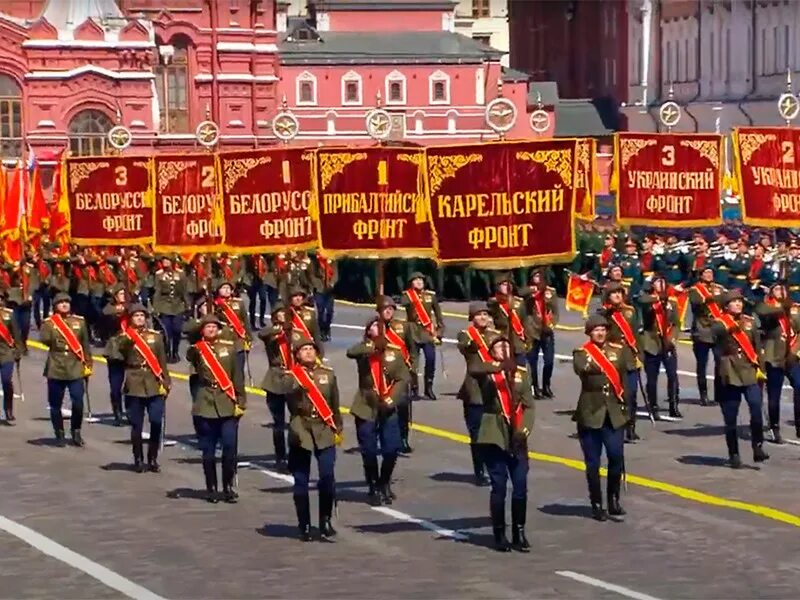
(10, 118)
(88, 133)
(172, 84)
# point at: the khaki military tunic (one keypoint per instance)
(502, 322)
(170, 292)
(367, 404)
(470, 390)
(62, 363)
(211, 402)
(651, 340)
(306, 428)
(534, 321)
(13, 352)
(430, 304)
(494, 428)
(735, 368)
(140, 381)
(701, 327)
(275, 378)
(597, 397)
(228, 333)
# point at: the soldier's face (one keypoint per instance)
(297, 300)
(707, 276)
(501, 351)
(387, 313)
(166, 263)
(481, 319)
(307, 354)
(615, 298)
(418, 283)
(120, 297)
(138, 319)
(659, 286)
(210, 331)
(225, 291)
(598, 334)
(372, 332)
(735, 307)
(778, 292)
(536, 279)
(504, 288)
(63, 307)
(279, 317)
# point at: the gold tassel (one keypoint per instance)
(422, 210)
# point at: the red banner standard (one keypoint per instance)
(768, 175)
(188, 210)
(369, 201)
(668, 179)
(504, 204)
(266, 197)
(587, 179)
(110, 200)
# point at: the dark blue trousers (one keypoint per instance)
(173, 328)
(775, 376)
(41, 306)
(502, 466)
(272, 295)
(80, 305)
(55, 397)
(429, 351)
(194, 386)
(7, 378)
(729, 404)
(324, 302)
(381, 436)
(632, 392)
(116, 378)
(257, 295)
(276, 403)
(22, 316)
(547, 347)
(220, 431)
(701, 352)
(473, 413)
(300, 467)
(652, 367)
(592, 443)
(154, 405)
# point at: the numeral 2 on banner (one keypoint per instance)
(788, 152)
(207, 174)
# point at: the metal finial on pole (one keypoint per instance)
(378, 99)
(788, 105)
(670, 113)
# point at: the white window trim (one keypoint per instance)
(395, 77)
(436, 77)
(305, 76)
(350, 77)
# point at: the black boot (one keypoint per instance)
(673, 409)
(326, 530)
(499, 529)
(703, 389)
(655, 410)
(477, 466)
(413, 388)
(735, 461)
(60, 441)
(596, 497)
(385, 480)
(116, 409)
(797, 431)
(77, 439)
(303, 517)
(519, 541)
(138, 454)
(279, 442)
(547, 392)
(614, 507)
(228, 474)
(759, 455)
(210, 472)
(429, 389)
(630, 431)
(537, 391)
(777, 438)
(152, 455)
(371, 475)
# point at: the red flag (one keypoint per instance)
(59, 209)
(11, 226)
(579, 294)
(36, 208)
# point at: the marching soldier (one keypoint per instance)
(739, 267)
(169, 305)
(509, 316)
(256, 269)
(315, 429)
(219, 403)
(68, 366)
(147, 384)
(293, 271)
(703, 297)
(507, 421)
(277, 340)
(25, 283)
(631, 269)
(427, 326)
(473, 343)
(659, 326)
(542, 318)
(41, 298)
(741, 371)
(11, 350)
(671, 262)
(236, 327)
(114, 325)
(600, 415)
(59, 281)
(383, 378)
(622, 329)
(780, 323)
(323, 279)
(793, 272)
(303, 317)
(193, 332)
(399, 334)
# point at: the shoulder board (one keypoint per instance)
(159, 271)
(552, 289)
(579, 349)
(311, 308)
(393, 346)
(614, 345)
(492, 330)
(77, 317)
(795, 309)
(225, 342)
(152, 331)
(521, 368)
(463, 332)
(325, 367)
(747, 318)
(7, 310)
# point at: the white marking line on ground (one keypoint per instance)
(102, 574)
(560, 357)
(611, 587)
(389, 512)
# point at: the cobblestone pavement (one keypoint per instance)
(695, 529)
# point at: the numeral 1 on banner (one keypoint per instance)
(287, 172)
(382, 173)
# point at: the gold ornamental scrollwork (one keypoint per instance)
(708, 149)
(749, 143)
(631, 147)
(236, 168)
(445, 167)
(82, 170)
(141, 164)
(331, 165)
(557, 161)
(415, 159)
(169, 170)
(307, 156)
(584, 158)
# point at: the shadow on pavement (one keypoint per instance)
(454, 478)
(186, 493)
(697, 460)
(698, 430)
(117, 466)
(567, 510)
